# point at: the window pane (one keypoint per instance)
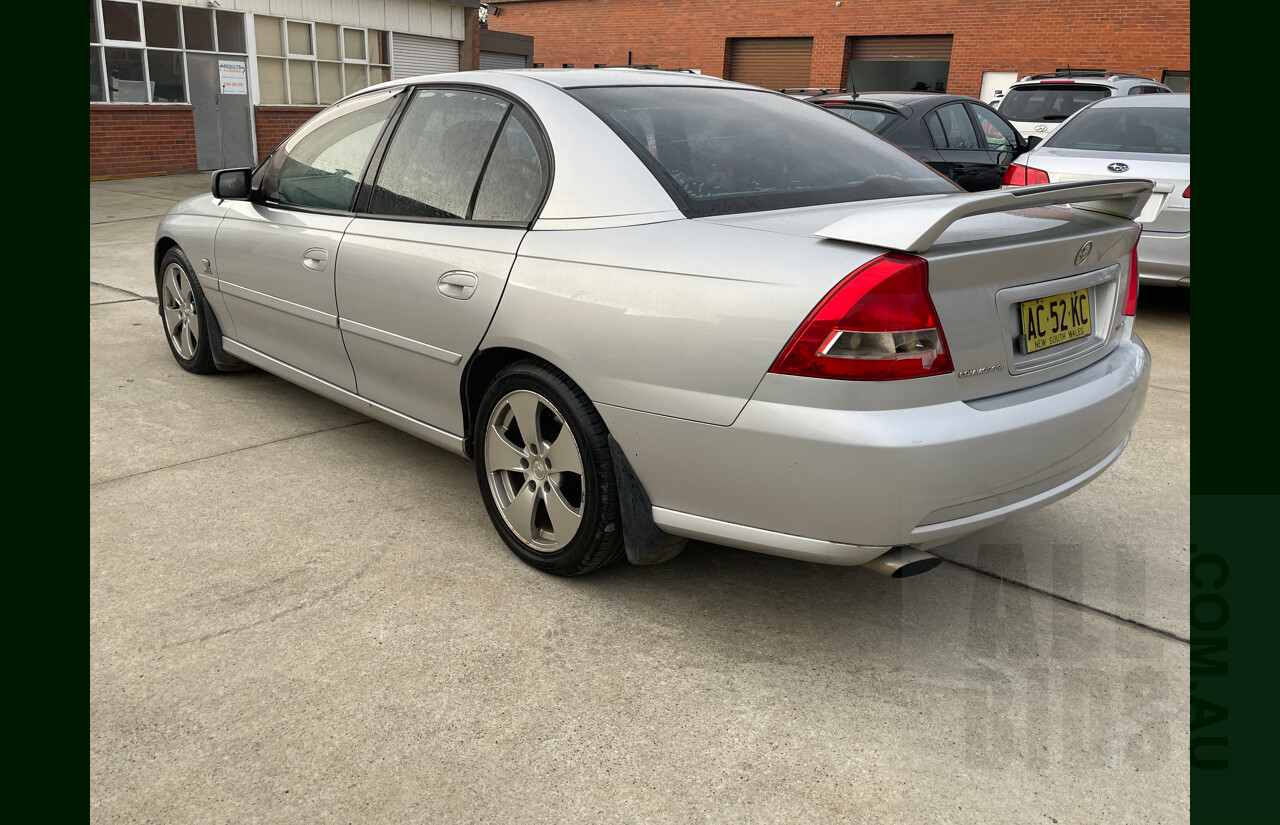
(271, 80)
(1145, 130)
(93, 24)
(322, 169)
(957, 129)
(198, 25)
(302, 87)
(120, 21)
(514, 179)
(997, 134)
(299, 38)
(162, 25)
(327, 42)
(330, 75)
(378, 47)
(166, 77)
(733, 150)
(1049, 104)
(267, 30)
(95, 74)
(353, 43)
(434, 161)
(124, 76)
(230, 32)
(356, 77)
(379, 75)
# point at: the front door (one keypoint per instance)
(277, 253)
(223, 111)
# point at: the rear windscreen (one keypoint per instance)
(1139, 129)
(1048, 102)
(721, 151)
(873, 120)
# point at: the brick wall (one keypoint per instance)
(137, 140)
(1145, 37)
(275, 123)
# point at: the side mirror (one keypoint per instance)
(232, 184)
(1033, 141)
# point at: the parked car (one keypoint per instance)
(1037, 104)
(654, 307)
(961, 137)
(1145, 137)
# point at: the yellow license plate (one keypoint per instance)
(1047, 322)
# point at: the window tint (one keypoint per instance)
(998, 135)
(1146, 130)
(1050, 103)
(320, 167)
(873, 120)
(516, 175)
(721, 151)
(950, 128)
(435, 158)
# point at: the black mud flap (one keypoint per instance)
(645, 543)
(223, 360)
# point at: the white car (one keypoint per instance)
(1129, 137)
(1038, 104)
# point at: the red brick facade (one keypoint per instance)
(139, 140)
(1146, 37)
(275, 123)
(160, 139)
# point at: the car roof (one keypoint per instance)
(1175, 100)
(1113, 81)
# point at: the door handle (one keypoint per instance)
(457, 284)
(316, 259)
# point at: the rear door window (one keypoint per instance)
(950, 128)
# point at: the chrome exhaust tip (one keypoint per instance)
(903, 561)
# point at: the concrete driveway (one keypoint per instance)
(299, 615)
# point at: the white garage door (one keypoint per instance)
(500, 60)
(413, 55)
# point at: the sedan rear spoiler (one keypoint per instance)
(912, 225)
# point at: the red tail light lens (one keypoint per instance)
(1019, 175)
(878, 324)
(1187, 194)
(1131, 297)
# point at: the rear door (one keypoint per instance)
(425, 261)
(964, 156)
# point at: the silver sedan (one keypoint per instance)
(1148, 136)
(655, 306)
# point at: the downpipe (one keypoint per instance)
(903, 561)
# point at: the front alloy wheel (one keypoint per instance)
(181, 316)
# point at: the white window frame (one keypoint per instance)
(102, 28)
(342, 42)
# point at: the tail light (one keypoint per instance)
(1187, 194)
(1019, 175)
(878, 324)
(1131, 296)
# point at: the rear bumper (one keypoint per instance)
(1164, 258)
(842, 486)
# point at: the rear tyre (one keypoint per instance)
(185, 314)
(545, 471)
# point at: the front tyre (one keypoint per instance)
(545, 471)
(185, 314)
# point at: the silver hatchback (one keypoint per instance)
(654, 307)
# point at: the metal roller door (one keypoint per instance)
(499, 60)
(413, 55)
(771, 62)
(919, 47)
